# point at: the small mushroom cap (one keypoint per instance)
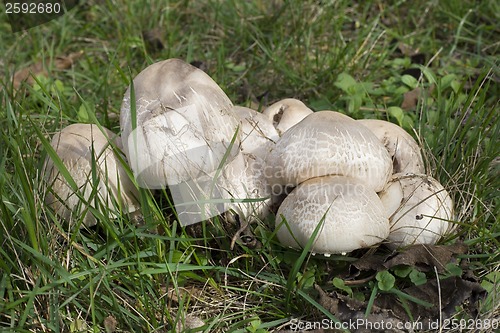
(286, 113)
(258, 134)
(328, 143)
(184, 124)
(420, 210)
(77, 146)
(353, 216)
(404, 150)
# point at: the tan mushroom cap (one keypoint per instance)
(328, 143)
(258, 134)
(403, 149)
(353, 216)
(185, 124)
(419, 208)
(77, 146)
(286, 113)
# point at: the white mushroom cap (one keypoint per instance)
(328, 143)
(286, 113)
(353, 216)
(77, 146)
(419, 209)
(243, 178)
(258, 134)
(184, 124)
(229, 188)
(403, 149)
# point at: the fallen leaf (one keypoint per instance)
(110, 324)
(190, 322)
(406, 50)
(40, 69)
(449, 293)
(439, 302)
(368, 263)
(425, 257)
(184, 293)
(410, 99)
(27, 74)
(350, 310)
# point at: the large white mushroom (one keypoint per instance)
(328, 143)
(420, 210)
(351, 215)
(181, 127)
(102, 182)
(404, 150)
(286, 113)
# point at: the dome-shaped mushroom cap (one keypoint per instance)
(258, 134)
(328, 143)
(352, 215)
(420, 210)
(184, 124)
(78, 145)
(286, 113)
(403, 149)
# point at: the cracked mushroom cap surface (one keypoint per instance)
(78, 145)
(404, 150)
(328, 143)
(420, 210)
(239, 186)
(243, 178)
(351, 214)
(286, 113)
(182, 126)
(258, 134)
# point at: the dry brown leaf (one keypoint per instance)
(350, 310)
(40, 69)
(27, 74)
(410, 99)
(407, 50)
(448, 293)
(371, 262)
(110, 324)
(189, 323)
(188, 292)
(426, 257)
(442, 297)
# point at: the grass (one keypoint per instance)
(339, 55)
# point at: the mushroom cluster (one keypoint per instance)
(340, 184)
(355, 183)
